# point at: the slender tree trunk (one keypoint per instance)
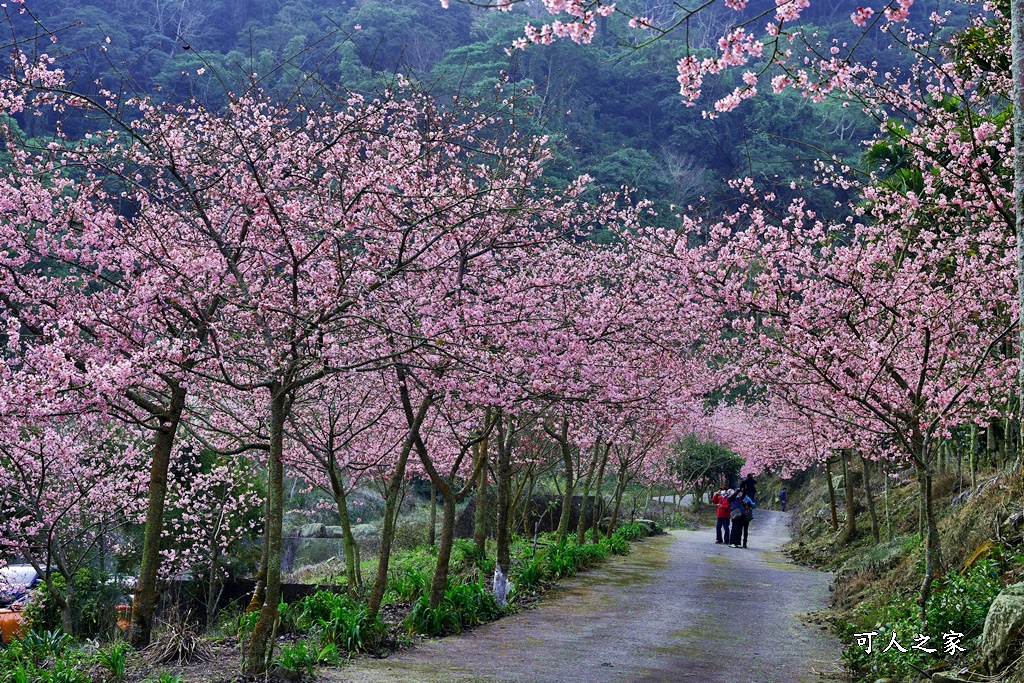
(347, 539)
(432, 531)
(528, 505)
(831, 496)
(888, 519)
(563, 520)
(480, 521)
(974, 456)
(865, 470)
(444, 548)
(259, 591)
(991, 445)
(144, 604)
(585, 520)
(391, 503)
(620, 488)
(598, 500)
(851, 510)
(260, 650)
(1009, 438)
(503, 536)
(387, 532)
(932, 549)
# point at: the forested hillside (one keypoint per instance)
(614, 112)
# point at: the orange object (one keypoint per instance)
(11, 625)
(124, 616)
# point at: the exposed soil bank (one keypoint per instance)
(678, 608)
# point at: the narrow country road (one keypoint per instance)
(678, 608)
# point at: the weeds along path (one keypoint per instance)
(677, 608)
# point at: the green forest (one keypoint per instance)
(612, 110)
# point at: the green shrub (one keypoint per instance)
(297, 657)
(65, 670)
(409, 585)
(38, 645)
(310, 610)
(246, 624)
(530, 575)
(93, 600)
(958, 604)
(164, 678)
(464, 605)
(616, 544)
(351, 629)
(631, 531)
(114, 659)
(19, 671)
(433, 621)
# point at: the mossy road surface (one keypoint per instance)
(677, 608)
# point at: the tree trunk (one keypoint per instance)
(851, 512)
(865, 470)
(480, 518)
(932, 549)
(504, 476)
(831, 496)
(563, 520)
(620, 488)
(585, 520)
(991, 447)
(347, 539)
(888, 519)
(260, 650)
(1008, 435)
(974, 456)
(144, 604)
(444, 549)
(259, 591)
(598, 500)
(387, 532)
(432, 531)
(391, 502)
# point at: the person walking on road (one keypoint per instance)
(782, 500)
(721, 499)
(741, 511)
(749, 487)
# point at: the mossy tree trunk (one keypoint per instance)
(620, 488)
(598, 499)
(432, 530)
(259, 650)
(482, 502)
(146, 594)
(562, 438)
(394, 487)
(831, 496)
(585, 519)
(503, 534)
(347, 539)
(850, 532)
(869, 496)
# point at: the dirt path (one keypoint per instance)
(678, 608)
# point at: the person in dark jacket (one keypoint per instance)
(721, 499)
(782, 500)
(736, 513)
(749, 487)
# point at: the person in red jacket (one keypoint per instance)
(721, 499)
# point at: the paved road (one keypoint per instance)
(678, 608)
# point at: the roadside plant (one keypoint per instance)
(351, 629)
(531, 575)
(297, 657)
(114, 659)
(409, 585)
